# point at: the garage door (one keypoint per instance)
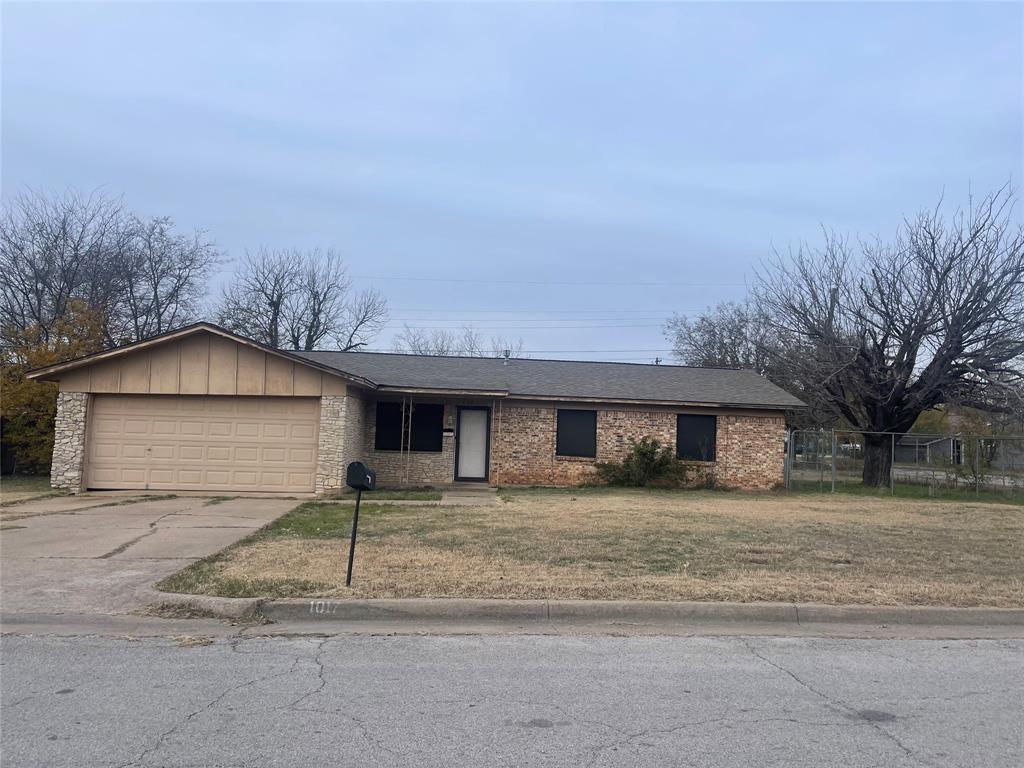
(202, 443)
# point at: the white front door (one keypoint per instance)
(472, 444)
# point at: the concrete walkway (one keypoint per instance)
(95, 556)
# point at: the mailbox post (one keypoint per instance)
(360, 478)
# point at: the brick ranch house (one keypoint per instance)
(201, 408)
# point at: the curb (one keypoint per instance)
(569, 612)
(573, 612)
(207, 605)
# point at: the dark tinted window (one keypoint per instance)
(695, 437)
(577, 434)
(388, 436)
(427, 428)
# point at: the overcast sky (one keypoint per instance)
(642, 157)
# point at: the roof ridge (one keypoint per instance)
(524, 359)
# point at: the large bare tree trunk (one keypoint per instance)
(877, 460)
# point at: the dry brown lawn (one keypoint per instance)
(641, 545)
(15, 489)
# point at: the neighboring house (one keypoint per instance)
(201, 408)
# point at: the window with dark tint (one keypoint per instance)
(695, 437)
(427, 428)
(388, 436)
(577, 434)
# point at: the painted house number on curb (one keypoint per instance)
(321, 607)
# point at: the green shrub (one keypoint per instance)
(648, 464)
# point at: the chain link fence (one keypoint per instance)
(951, 465)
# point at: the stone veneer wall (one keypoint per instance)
(67, 467)
(355, 422)
(332, 456)
(749, 448)
(410, 467)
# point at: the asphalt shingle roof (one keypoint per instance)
(562, 378)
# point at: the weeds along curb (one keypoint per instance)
(204, 605)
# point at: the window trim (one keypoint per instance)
(558, 414)
(714, 444)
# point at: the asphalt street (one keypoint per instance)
(507, 700)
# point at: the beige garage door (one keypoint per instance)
(182, 443)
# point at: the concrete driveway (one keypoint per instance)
(95, 555)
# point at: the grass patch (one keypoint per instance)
(24, 483)
(15, 489)
(914, 491)
(637, 544)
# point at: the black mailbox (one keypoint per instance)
(360, 477)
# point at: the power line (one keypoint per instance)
(543, 351)
(524, 327)
(519, 320)
(616, 283)
(546, 311)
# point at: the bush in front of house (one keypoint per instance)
(648, 464)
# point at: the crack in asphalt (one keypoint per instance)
(628, 738)
(838, 705)
(191, 716)
(632, 738)
(322, 679)
(361, 726)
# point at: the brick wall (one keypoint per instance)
(749, 445)
(749, 451)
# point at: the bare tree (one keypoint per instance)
(729, 336)
(162, 275)
(54, 249)
(417, 341)
(300, 300)
(502, 347)
(364, 318)
(313, 308)
(467, 342)
(881, 335)
(138, 276)
(253, 305)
